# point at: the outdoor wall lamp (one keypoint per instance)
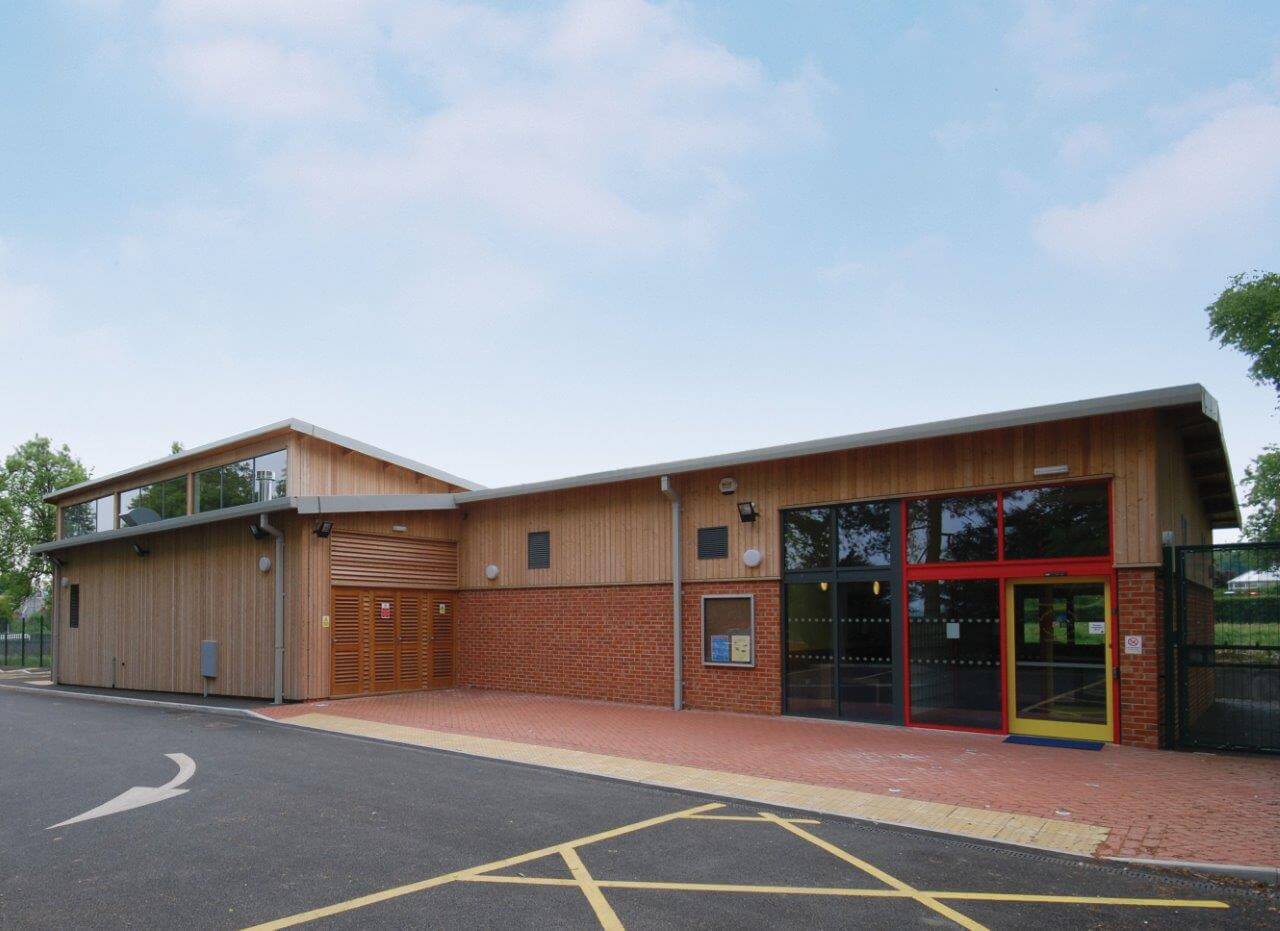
(257, 532)
(747, 512)
(323, 528)
(490, 572)
(1040, 471)
(140, 550)
(752, 558)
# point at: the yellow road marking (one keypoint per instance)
(922, 898)
(607, 917)
(409, 888)
(857, 893)
(756, 818)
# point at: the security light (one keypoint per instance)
(258, 532)
(324, 528)
(1042, 471)
(747, 512)
(140, 550)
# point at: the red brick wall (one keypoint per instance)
(607, 642)
(720, 688)
(613, 643)
(1140, 603)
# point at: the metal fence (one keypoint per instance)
(1224, 646)
(25, 643)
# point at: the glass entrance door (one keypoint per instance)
(1059, 659)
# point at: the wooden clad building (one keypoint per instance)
(979, 573)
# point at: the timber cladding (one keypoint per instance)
(362, 560)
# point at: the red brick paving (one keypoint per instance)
(1158, 804)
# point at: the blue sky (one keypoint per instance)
(526, 241)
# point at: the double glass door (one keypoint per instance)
(841, 638)
(1059, 659)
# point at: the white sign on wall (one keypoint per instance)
(1132, 643)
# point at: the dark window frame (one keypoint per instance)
(73, 605)
(729, 664)
(538, 560)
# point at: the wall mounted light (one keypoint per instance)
(257, 532)
(66, 582)
(1041, 471)
(490, 572)
(752, 558)
(140, 550)
(264, 564)
(323, 528)
(747, 512)
(398, 528)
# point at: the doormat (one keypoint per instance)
(1054, 742)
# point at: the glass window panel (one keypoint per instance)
(962, 528)
(79, 519)
(866, 650)
(1067, 520)
(150, 503)
(726, 631)
(806, 538)
(954, 650)
(810, 677)
(864, 534)
(237, 484)
(173, 498)
(276, 464)
(209, 489)
(106, 518)
(1059, 647)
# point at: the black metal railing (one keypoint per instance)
(1225, 646)
(25, 643)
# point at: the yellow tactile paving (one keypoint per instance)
(1063, 836)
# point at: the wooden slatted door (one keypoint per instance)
(384, 640)
(347, 641)
(443, 628)
(409, 640)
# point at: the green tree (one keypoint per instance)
(30, 472)
(1261, 490)
(1246, 316)
(176, 447)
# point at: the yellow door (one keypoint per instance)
(1059, 658)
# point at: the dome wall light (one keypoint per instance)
(752, 558)
(491, 572)
(264, 564)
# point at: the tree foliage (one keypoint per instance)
(1246, 316)
(30, 472)
(1262, 489)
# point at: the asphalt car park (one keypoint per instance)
(281, 827)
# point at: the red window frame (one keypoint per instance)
(1000, 570)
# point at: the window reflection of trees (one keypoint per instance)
(1056, 522)
(806, 538)
(864, 534)
(957, 529)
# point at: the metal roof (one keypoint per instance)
(283, 426)
(1179, 396)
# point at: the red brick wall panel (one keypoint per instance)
(1140, 604)
(722, 688)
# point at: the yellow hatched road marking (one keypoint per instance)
(410, 888)
(856, 893)
(599, 904)
(922, 898)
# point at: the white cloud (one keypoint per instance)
(247, 77)
(1057, 42)
(611, 120)
(1086, 143)
(1223, 175)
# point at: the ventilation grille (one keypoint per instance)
(713, 542)
(540, 549)
(74, 604)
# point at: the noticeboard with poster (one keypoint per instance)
(728, 630)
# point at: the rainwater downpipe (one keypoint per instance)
(676, 591)
(278, 692)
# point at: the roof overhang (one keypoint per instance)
(1182, 396)
(307, 504)
(1204, 449)
(280, 428)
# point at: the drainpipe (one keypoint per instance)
(676, 591)
(278, 696)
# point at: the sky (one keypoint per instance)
(522, 241)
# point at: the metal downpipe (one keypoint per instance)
(278, 534)
(676, 594)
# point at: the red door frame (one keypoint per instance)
(1003, 571)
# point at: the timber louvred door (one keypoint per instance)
(443, 628)
(385, 645)
(347, 640)
(409, 642)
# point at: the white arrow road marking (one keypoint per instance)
(139, 795)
